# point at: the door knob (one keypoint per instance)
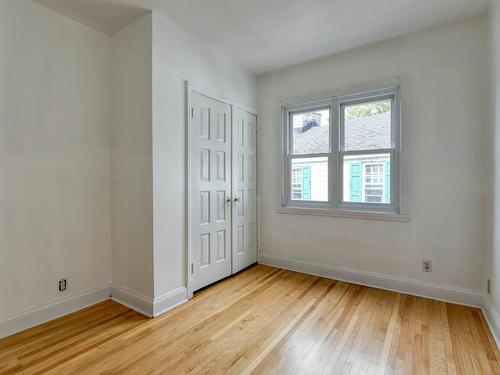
(236, 200)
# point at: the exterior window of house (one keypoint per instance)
(374, 182)
(297, 180)
(342, 153)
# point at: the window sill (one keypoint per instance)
(367, 215)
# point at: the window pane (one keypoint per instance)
(367, 178)
(309, 179)
(367, 126)
(311, 132)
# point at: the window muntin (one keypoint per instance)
(359, 147)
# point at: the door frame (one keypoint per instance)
(191, 87)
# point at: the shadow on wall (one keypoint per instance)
(103, 15)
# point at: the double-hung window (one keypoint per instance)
(342, 153)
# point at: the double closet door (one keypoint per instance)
(223, 190)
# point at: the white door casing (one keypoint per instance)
(244, 187)
(210, 190)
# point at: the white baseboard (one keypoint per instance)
(493, 319)
(145, 305)
(169, 300)
(134, 300)
(414, 287)
(42, 314)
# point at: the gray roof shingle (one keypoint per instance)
(366, 133)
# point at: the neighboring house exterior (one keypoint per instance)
(366, 178)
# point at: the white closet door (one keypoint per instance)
(210, 208)
(244, 189)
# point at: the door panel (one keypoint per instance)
(210, 208)
(244, 189)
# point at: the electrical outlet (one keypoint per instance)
(427, 265)
(63, 285)
(488, 286)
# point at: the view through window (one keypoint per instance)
(311, 147)
(367, 170)
(365, 145)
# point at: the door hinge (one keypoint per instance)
(192, 112)
(192, 267)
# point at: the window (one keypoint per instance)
(310, 154)
(374, 183)
(297, 183)
(342, 153)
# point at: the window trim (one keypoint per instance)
(335, 202)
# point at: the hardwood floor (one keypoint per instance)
(266, 321)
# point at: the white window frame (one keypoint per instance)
(335, 205)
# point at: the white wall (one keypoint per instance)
(443, 111)
(54, 157)
(131, 157)
(492, 258)
(177, 56)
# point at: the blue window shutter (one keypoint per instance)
(387, 185)
(356, 182)
(306, 182)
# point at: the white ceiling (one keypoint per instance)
(264, 35)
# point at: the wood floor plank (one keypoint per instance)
(389, 336)
(264, 321)
(437, 344)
